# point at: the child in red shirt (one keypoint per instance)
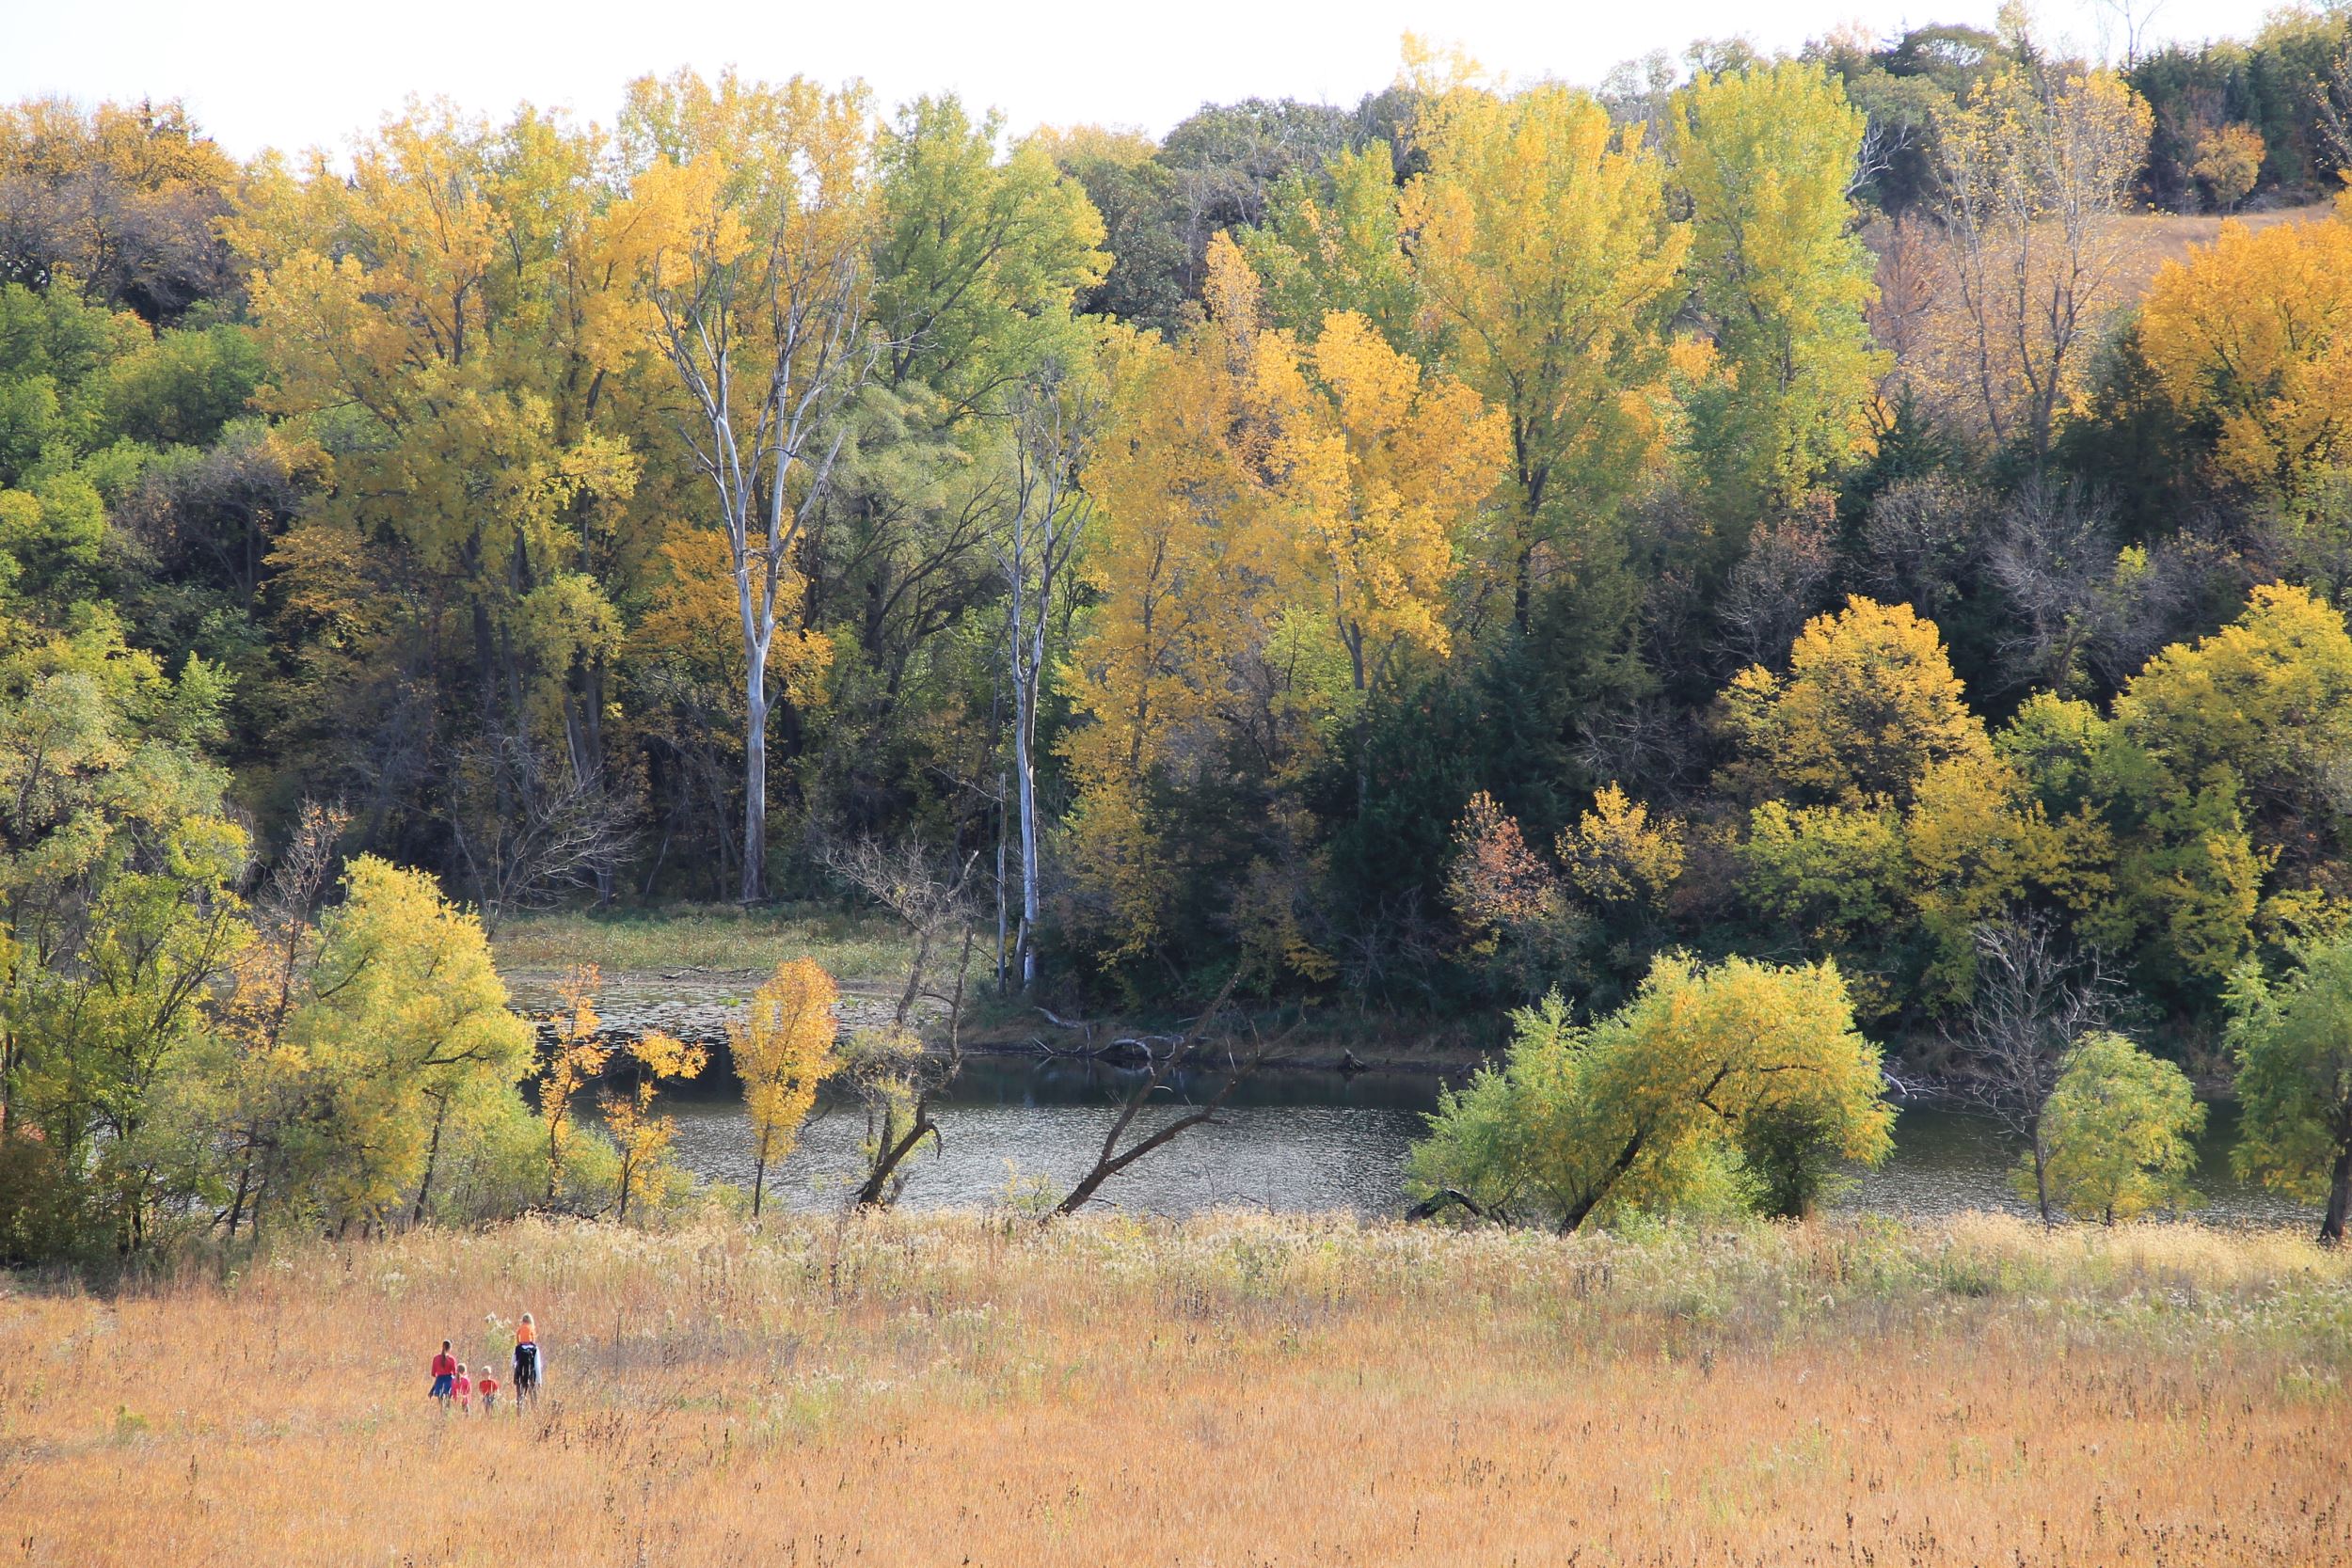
(489, 1386)
(444, 1373)
(464, 1389)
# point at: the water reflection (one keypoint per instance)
(1293, 1140)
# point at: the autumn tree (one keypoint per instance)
(2252, 338)
(575, 1059)
(747, 225)
(119, 203)
(2037, 162)
(2120, 1131)
(783, 1049)
(1495, 884)
(1641, 1109)
(1179, 554)
(2292, 1036)
(1547, 264)
(1766, 157)
(644, 1138)
(447, 324)
(1868, 705)
(396, 1047)
(1283, 522)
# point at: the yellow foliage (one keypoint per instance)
(576, 1060)
(644, 1138)
(1614, 855)
(1264, 510)
(1869, 705)
(2255, 334)
(783, 1049)
(1545, 261)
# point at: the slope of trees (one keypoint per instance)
(1435, 553)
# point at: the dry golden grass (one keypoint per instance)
(1231, 1392)
(2161, 237)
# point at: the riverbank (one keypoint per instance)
(1227, 1390)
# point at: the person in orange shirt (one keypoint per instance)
(526, 1362)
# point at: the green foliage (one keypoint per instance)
(2292, 1036)
(1649, 1108)
(1764, 156)
(2117, 1133)
(116, 879)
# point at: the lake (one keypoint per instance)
(1294, 1140)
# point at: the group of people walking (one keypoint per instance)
(454, 1387)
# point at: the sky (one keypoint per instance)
(280, 74)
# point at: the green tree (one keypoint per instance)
(118, 909)
(2293, 1041)
(1783, 279)
(399, 1047)
(2120, 1128)
(1639, 1109)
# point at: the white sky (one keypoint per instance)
(293, 74)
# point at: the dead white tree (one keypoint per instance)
(754, 267)
(1054, 427)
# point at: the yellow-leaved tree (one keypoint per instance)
(1868, 705)
(575, 1060)
(2252, 335)
(1546, 267)
(783, 1049)
(2038, 163)
(1706, 1077)
(1277, 529)
(745, 234)
(644, 1138)
(444, 320)
(401, 1036)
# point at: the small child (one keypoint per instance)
(489, 1386)
(464, 1390)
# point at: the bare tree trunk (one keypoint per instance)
(1002, 835)
(872, 1195)
(755, 884)
(759, 1173)
(1024, 734)
(2339, 1199)
(431, 1158)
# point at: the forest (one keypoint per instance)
(1857, 538)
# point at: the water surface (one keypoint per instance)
(1297, 1141)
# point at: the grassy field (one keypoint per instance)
(2162, 237)
(1225, 1391)
(856, 947)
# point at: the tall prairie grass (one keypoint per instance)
(1226, 1390)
